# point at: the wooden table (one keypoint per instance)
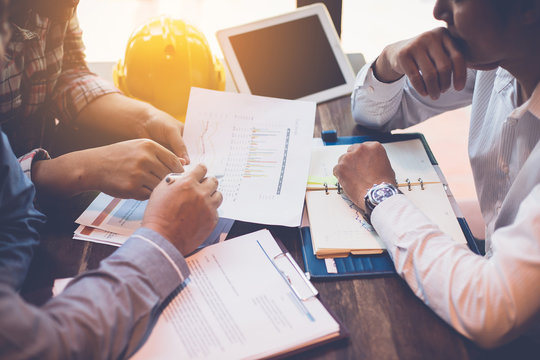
(385, 320)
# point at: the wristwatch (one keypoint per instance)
(376, 195)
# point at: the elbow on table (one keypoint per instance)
(370, 119)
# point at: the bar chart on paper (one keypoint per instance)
(258, 166)
(259, 148)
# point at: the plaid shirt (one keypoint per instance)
(44, 78)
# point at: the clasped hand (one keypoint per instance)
(431, 61)
(362, 166)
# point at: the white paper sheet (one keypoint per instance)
(237, 305)
(261, 146)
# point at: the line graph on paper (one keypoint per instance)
(248, 155)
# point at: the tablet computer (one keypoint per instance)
(296, 55)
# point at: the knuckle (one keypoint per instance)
(429, 74)
(405, 52)
(445, 67)
(414, 77)
(203, 167)
(147, 144)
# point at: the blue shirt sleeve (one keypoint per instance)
(19, 220)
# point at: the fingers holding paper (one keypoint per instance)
(362, 166)
(131, 169)
(184, 209)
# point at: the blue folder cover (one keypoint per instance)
(365, 265)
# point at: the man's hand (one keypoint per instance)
(164, 129)
(361, 167)
(128, 169)
(184, 210)
(131, 119)
(429, 60)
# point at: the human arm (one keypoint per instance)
(106, 313)
(83, 99)
(385, 97)
(19, 220)
(128, 169)
(490, 300)
(103, 313)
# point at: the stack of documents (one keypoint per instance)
(111, 221)
(245, 299)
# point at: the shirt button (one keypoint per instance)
(511, 121)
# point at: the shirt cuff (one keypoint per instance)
(368, 86)
(26, 161)
(400, 224)
(157, 258)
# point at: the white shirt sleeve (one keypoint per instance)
(397, 105)
(489, 300)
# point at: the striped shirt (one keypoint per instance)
(44, 78)
(488, 299)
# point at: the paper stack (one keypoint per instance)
(111, 221)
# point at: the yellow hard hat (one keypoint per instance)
(164, 58)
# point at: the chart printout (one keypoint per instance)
(259, 148)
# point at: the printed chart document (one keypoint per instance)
(244, 299)
(337, 225)
(109, 220)
(258, 147)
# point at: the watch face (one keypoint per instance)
(382, 193)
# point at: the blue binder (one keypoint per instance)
(365, 265)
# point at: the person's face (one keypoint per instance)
(478, 31)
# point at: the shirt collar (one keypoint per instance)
(33, 25)
(20, 34)
(503, 79)
(532, 105)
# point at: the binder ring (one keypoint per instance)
(326, 188)
(421, 183)
(408, 184)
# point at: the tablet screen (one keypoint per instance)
(290, 60)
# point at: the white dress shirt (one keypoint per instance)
(488, 299)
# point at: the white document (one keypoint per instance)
(260, 149)
(238, 305)
(111, 221)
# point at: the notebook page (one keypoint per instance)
(336, 224)
(433, 202)
(410, 161)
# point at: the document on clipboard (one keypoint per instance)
(245, 299)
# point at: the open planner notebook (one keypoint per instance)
(337, 225)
